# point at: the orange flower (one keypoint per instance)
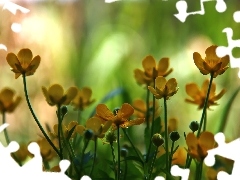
(212, 63)
(151, 70)
(198, 147)
(199, 95)
(164, 88)
(98, 127)
(82, 99)
(120, 116)
(23, 62)
(179, 157)
(7, 100)
(55, 95)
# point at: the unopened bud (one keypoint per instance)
(157, 140)
(194, 125)
(88, 134)
(174, 136)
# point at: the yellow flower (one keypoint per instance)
(98, 127)
(82, 99)
(7, 100)
(212, 63)
(23, 62)
(22, 152)
(199, 95)
(66, 130)
(198, 147)
(151, 70)
(120, 116)
(164, 88)
(55, 95)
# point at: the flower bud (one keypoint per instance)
(64, 110)
(194, 125)
(157, 140)
(124, 152)
(115, 111)
(174, 136)
(111, 137)
(88, 134)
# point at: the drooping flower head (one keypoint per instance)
(199, 95)
(164, 88)
(7, 100)
(120, 117)
(212, 64)
(83, 99)
(55, 95)
(23, 62)
(152, 70)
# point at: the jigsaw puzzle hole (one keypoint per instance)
(236, 52)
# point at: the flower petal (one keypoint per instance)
(80, 129)
(33, 65)
(206, 141)
(70, 95)
(12, 60)
(103, 112)
(211, 53)
(125, 111)
(137, 121)
(55, 93)
(25, 57)
(94, 124)
(149, 64)
(163, 65)
(160, 83)
(192, 90)
(171, 86)
(199, 63)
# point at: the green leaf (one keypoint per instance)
(135, 158)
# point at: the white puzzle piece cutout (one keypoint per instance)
(182, 6)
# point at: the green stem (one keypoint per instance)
(114, 159)
(205, 122)
(7, 137)
(147, 106)
(205, 105)
(152, 127)
(199, 171)
(35, 117)
(134, 148)
(60, 133)
(153, 162)
(171, 154)
(118, 143)
(86, 142)
(166, 133)
(94, 157)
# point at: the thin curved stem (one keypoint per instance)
(171, 154)
(114, 159)
(147, 107)
(152, 164)
(94, 157)
(35, 117)
(60, 133)
(205, 105)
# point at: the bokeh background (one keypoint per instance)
(97, 44)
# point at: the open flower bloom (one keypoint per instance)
(151, 70)
(164, 88)
(141, 109)
(23, 62)
(120, 117)
(82, 99)
(55, 95)
(199, 95)
(198, 147)
(7, 100)
(212, 63)
(66, 130)
(98, 127)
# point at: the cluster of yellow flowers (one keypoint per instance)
(154, 78)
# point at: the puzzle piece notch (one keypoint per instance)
(182, 6)
(236, 16)
(177, 171)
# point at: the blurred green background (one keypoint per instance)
(97, 44)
